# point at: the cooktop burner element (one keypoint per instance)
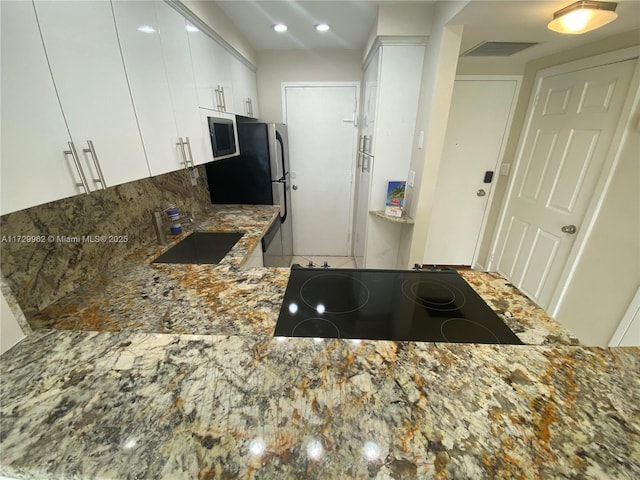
(317, 293)
(431, 306)
(434, 294)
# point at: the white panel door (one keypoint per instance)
(478, 121)
(82, 47)
(321, 153)
(34, 168)
(565, 145)
(139, 36)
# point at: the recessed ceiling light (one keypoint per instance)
(191, 28)
(323, 27)
(280, 27)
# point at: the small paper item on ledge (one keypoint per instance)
(395, 199)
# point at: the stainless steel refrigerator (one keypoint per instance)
(259, 176)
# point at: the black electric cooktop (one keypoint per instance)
(425, 305)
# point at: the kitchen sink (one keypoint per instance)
(201, 247)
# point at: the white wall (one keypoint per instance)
(438, 78)
(401, 19)
(275, 67)
(10, 331)
(215, 17)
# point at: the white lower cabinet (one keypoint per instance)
(81, 44)
(34, 168)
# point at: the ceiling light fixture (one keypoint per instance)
(280, 27)
(583, 16)
(323, 27)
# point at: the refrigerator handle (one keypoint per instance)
(283, 181)
(279, 140)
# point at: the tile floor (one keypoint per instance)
(318, 261)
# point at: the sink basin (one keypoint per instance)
(201, 247)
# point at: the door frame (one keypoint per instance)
(632, 313)
(514, 101)
(610, 163)
(354, 146)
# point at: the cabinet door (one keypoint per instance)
(35, 169)
(212, 68)
(139, 36)
(182, 85)
(245, 90)
(82, 47)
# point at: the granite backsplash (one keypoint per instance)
(41, 272)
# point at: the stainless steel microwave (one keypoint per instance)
(223, 137)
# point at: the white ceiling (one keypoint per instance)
(353, 21)
(526, 21)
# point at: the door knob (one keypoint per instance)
(295, 187)
(481, 192)
(569, 229)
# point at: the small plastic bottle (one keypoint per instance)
(174, 214)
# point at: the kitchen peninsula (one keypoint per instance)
(171, 371)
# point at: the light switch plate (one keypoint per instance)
(505, 168)
(421, 140)
(412, 178)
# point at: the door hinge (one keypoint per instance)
(535, 100)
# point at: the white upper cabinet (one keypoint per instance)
(182, 85)
(244, 89)
(139, 35)
(34, 167)
(212, 66)
(84, 56)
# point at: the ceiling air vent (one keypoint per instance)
(497, 49)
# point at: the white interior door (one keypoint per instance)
(478, 122)
(322, 138)
(563, 149)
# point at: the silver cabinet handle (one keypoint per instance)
(180, 145)
(481, 192)
(92, 151)
(218, 91)
(361, 143)
(76, 161)
(224, 100)
(295, 187)
(367, 144)
(359, 161)
(368, 167)
(216, 97)
(188, 144)
(569, 229)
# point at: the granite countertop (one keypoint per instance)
(171, 371)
